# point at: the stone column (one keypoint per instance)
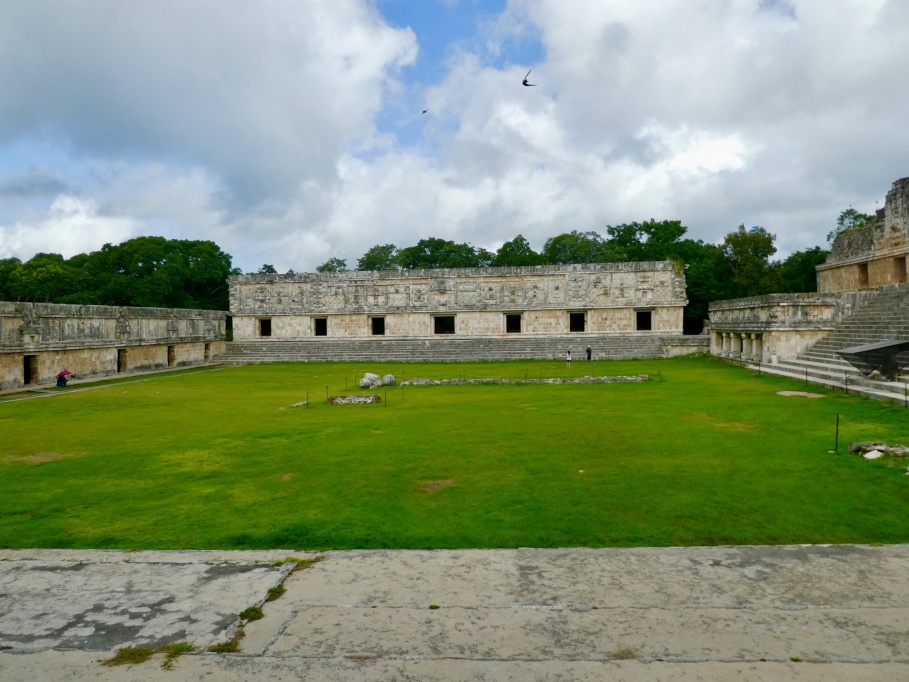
(746, 347)
(757, 348)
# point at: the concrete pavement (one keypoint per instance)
(746, 613)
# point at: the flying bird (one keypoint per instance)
(424, 111)
(525, 83)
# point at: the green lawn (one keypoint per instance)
(708, 454)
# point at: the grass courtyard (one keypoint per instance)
(704, 453)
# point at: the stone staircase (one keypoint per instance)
(884, 318)
(434, 349)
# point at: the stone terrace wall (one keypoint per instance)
(99, 340)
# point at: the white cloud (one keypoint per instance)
(257, 127)
(71, 226)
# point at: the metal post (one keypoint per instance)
(836, 443)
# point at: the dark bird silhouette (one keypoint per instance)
(424, 111)
(526, 84)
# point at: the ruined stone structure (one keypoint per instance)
(38, 340)
(617, 298)
(767, 329)
(871, 256)
(621, 309)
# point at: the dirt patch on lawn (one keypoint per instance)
(38, 458)
(719, 423)
(287, 477)
(803, 394)
(435, 485)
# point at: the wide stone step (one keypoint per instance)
(451, 350)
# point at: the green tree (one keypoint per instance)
(333, 265)
(517, 252)
(7, 267)
(158, 272)
(45, 278)
(574, 247)
(798, 273)
(708, 274)
(850, 219)
(647, 241)
(379, 257)
(439, 253)
(748, 252)
(267, 269)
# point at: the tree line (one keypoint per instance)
(175, 273)
(145, 271)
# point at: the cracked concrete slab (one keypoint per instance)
(747, 613)
(103, 601)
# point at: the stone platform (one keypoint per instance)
(744, 613)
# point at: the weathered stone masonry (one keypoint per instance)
(603, 298)
(872, 256)
(38, 340)
(783, 326)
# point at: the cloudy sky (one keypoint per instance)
(290, 131)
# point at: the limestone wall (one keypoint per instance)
(780, 326)
(39, 340)
(607, 296)
(875, 255)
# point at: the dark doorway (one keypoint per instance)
(443, 324)
(121, 360)
(863, 274)
(577, 322)
(265, 327)
(513, 324)
(320, 326)
(378, 326)
(644, 320)
(29, 369)
(171, 356)
(207, 353)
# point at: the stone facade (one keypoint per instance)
(782, 326)
(38, 340)
(777, 326)
(554, 300)
(872, 256)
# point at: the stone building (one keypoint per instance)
(605, 298)
(38, 340)
(871, 256)
(861, 264)
(766, 328)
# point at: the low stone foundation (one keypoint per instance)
(555, 380)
